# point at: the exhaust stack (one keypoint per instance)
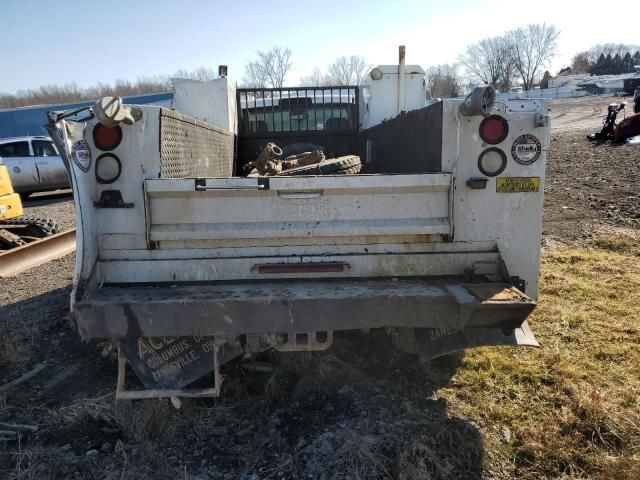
(401, 75)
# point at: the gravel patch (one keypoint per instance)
(58, 206)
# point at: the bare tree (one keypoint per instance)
(534, 47)
(157, 83)
(348, 70)
(270, 69)
(255, 76)
(316, 79)
(443, 81)
(202, 73)
(580, 63)
(52, 94)
(490, 61)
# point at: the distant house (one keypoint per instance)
(596, 84)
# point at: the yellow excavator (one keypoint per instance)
(16, 229)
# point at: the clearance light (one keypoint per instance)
(492, 162)
(108, 168)
(106, 138)
(494, 129)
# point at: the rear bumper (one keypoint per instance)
(228, 310)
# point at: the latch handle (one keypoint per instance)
(231, 187)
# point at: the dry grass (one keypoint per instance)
(16, 345)
(570, 409)
(149, 421)
(143, 426)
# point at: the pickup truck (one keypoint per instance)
(34, 164)
(187, 263)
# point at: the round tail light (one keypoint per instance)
(494, 129)
(108, 168)
(106, 138)
(492, 162)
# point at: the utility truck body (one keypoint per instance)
(188, 264)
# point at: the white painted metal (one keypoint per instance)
(246, 268)
(213, 101)
(299, 207)
(388, 225)
(382, 98)
(512, 220)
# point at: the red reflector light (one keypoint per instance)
(494, 129)
(303, 268)
(106, 138)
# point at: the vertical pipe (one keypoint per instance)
(356, 122)
(401, 74)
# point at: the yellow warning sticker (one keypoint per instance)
(517, 184)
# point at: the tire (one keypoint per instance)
(348, 165)
(298, 148)
(25, 195)
(33, 227)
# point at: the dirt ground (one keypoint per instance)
(359, 411)
(589, 185)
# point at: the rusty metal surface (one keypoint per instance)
(173, 362)
(305, 342)
(303, 159)
(10, 240)
(36, 253)
(192, 148)
(289, 342)
(435, 342)
(290, 307)
(493, 293)
(123, 394)
(268, 162)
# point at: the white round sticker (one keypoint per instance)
(81, 155)
(526, 149)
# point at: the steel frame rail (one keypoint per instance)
(20, 259)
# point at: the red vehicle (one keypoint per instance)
(629, 127)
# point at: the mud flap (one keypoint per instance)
(165, 365)
(435, 342)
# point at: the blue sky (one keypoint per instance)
(63, 41)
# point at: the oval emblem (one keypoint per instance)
(81, 155)
(526, 149)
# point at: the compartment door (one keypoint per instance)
(287, 211)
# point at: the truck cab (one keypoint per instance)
(188, 263)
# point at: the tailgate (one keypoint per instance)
(286, 211)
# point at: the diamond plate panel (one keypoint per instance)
(191, 148)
